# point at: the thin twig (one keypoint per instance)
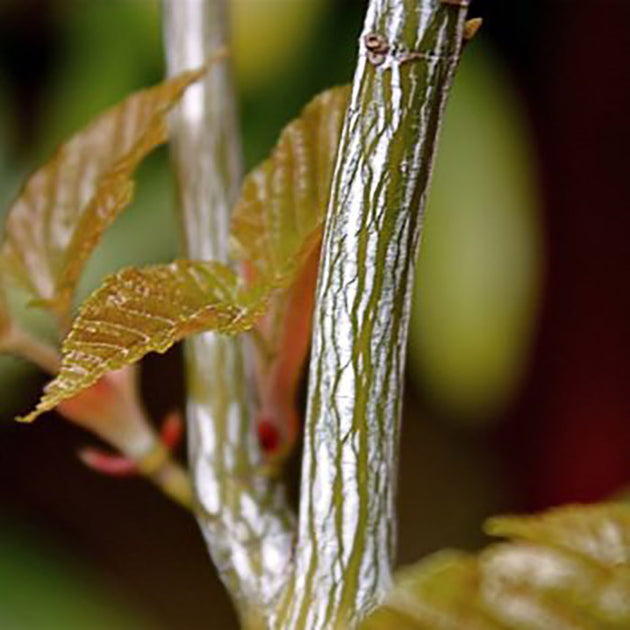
(243, 513)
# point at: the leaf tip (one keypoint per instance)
(29, 417)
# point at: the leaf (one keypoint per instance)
(286, 331)
(604, 536)
(137, 311)
(278, 219)
(62, 211)
(276, 228)
(276, 231)
(567, 568)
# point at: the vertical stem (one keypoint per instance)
(347, 527)
(206, 146)
(242, 514)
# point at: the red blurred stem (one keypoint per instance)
(121, 466)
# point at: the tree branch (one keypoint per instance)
(347, 526)
(242, 514)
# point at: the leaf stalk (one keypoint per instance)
(242, 513)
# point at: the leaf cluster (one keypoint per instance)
(568, 568)
(66, 205)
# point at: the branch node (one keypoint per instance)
(377, 48)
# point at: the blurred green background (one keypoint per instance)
(499, 368)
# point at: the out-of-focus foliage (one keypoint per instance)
(12, 371)
(92, 69)
(267, 36)
(42, 590)
(478, 270)
(568, 568)
(65, 206)
(142, 310)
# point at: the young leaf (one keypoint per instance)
(62, 211)
(567, 568)
(276, 228)
(277, 221)
(276, 231)
(137, 311)
(286, 330)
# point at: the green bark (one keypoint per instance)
(242, 513)
(409, 50)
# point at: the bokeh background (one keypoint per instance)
(517, 395)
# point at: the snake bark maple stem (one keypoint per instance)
(242, 514)
(347, 521)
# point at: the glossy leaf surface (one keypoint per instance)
(567, 568)
(286, 333)
(276, 227)
(137, 311)
(62, 211)
(276, 230)
(278, 219)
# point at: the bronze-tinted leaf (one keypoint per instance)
(276, 231)
(567, 568)
(137, 311)
(439, 592)
(286, 332)
(599, 532)
(279, 216)
(65, 206)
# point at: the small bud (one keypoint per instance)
(471, 28)
(268, 436)
(172, 430)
